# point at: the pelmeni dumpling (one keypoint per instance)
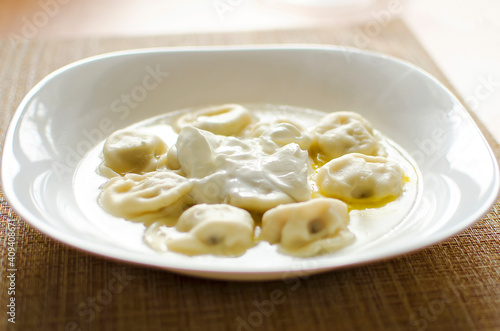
(217, 229)
(130, 151)
(282, 134)
(155, 196)
(226, 120)
(256, 129)
(345, 132)
(360, 178)
(308, 228)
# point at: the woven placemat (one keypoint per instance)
(454, 285)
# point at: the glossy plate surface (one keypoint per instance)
(75, 108)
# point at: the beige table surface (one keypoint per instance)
(454, 285)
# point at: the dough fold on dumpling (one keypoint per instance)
(360, 178)
(308, 228)
(345, 132)
(217, 229)
(156, 196)
(131, 151)
(227, 119)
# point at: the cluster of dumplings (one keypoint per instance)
(231, 181)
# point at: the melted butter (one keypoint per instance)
(374, 203)
(370, 203)
(319, 159)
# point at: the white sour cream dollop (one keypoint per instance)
(238, 171)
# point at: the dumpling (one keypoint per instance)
(130, 151)
(278, 133)
(282, 134)
(360, 178)
(255, 130)
(156, 196)
(226, 120)
(345, 132)
(217, 229)
(308, 228)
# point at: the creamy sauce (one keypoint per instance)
(211, 161)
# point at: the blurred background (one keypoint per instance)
(463, 37)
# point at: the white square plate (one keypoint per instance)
(75, 108)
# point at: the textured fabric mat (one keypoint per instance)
(453, 285)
